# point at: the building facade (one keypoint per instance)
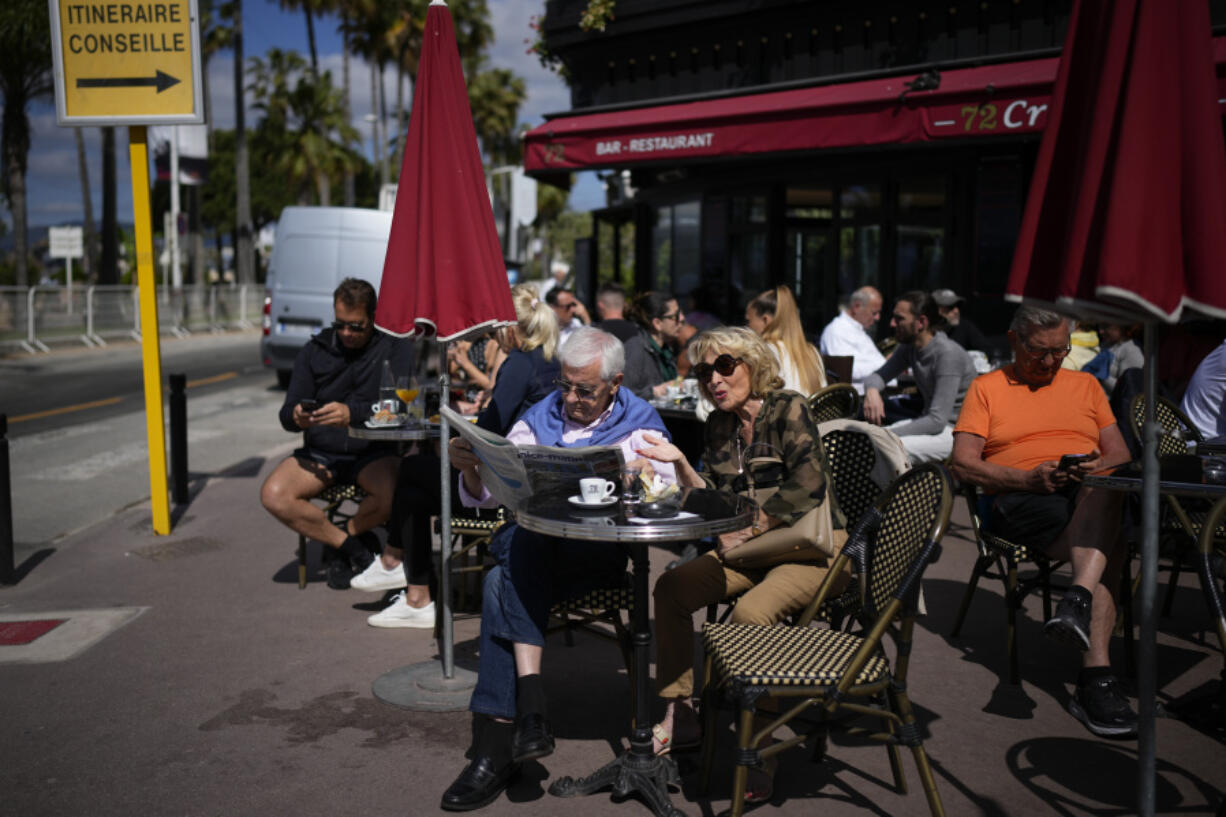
(824, 145)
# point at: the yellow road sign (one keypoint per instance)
(121, 62)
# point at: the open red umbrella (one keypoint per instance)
(1126, 216)
(444, 274)
(443, 277)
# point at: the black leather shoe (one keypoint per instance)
(478, 785)
(533, 737)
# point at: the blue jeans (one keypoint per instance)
(533, 573)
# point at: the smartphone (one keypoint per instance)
(309, 404)
(1069, 460)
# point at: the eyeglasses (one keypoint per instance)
(582, 392)
(1038, 354)
(725, 365)
(352, 326)
(673, 316)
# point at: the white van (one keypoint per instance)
(316, 248)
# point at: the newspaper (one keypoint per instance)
(513, 473)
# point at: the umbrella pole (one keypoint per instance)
(448, 648)
(1146, 649)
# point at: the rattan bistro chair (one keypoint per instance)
(840, 673)
(1001, 559)
(834, 402)
(1183, 517)
(334, 499)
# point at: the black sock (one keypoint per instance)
(530, 695)
(494, 741)
(1078, 590)
(1091, 674)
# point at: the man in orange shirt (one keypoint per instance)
(1015, 426)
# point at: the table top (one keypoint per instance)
(717, 512)
(670, 408)
(404, 433)
(1180, 474)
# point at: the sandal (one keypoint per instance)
(761, 783)
(666, 744)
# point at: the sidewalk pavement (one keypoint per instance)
(213, 686)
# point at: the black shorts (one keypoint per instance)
(342, 468)
(1033, 520)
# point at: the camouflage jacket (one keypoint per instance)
(784, 455)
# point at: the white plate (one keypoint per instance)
(373, 424)
(578, 502)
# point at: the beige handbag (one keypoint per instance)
(809, 539)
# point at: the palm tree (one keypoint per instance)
(244, 251)
(495, 97)
(25, 74)
(87, 261)
(311, 8)
(310, 113)
(366, 26)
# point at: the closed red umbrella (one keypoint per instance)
(1127, 207)
(443, 277)
(1126, 216)
(444, 274)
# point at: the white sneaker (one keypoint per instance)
(400, 614)
(377, 578)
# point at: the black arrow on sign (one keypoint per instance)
(162, 81)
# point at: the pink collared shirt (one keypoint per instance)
(521, 434)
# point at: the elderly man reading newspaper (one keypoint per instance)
(533, 572)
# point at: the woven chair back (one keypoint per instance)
(914, 511)
(1177, 429)
(834, 402)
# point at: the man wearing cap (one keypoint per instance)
(960, 330)
(848, 335)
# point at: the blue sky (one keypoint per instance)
(54, 183)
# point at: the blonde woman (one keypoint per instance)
(774, 317)
(531, 365)
(738, 374)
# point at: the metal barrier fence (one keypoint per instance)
(35, 318)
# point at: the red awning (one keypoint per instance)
(992, 100)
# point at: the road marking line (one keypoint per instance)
(217, 378)
(38, 415)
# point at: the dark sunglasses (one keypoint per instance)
(582, 392)
(724, 364)
(352, 326)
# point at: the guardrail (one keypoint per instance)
(35, 318)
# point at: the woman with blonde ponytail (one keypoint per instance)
(531, 364)
(774, 317)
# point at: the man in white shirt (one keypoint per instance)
(848, 335)
(1205, 397)
(534, 571)
(569, 310)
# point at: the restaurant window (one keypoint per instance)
(859, 237)
(809, 215)
(675, 246)
(920, 253)
(747, 231)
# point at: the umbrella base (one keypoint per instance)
(422, 687)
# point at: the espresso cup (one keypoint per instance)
(594, 490)
(390, 406)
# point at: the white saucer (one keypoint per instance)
(373, 424)
(578, 502)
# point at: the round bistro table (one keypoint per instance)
(638, 769)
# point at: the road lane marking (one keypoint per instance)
(217, 378)
(38, 415)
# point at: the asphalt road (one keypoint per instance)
(40, 393)
(77, 434)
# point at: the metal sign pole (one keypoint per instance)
(138, 155)
(448, 648)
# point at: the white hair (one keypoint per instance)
(588, 344)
